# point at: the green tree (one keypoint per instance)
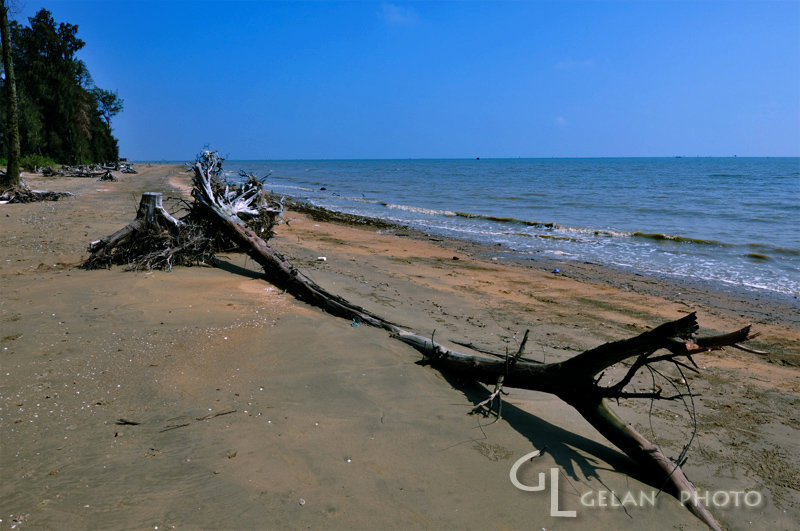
(12, 121)
(108, 103)
(62, 114)
(49, 74)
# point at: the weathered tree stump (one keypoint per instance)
(151, 208)
(151, 213)
(150, 218)
(156, 240)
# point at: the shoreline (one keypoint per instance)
(519, 206)
(764, 305)
(312, 408)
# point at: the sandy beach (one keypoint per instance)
(246, 409)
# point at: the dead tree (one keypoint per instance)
(277, 268)
(20, 193)
(158, 240)
(578, 380)
(152, 225)
(127, 168)
(101, 171)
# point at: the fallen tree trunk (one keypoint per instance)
(277, 268)
(22, 194)
(284, 275)
(157, 240)
(574, 380)
(102, 171)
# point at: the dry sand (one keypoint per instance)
(257, 411)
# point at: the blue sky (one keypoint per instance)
(285, 80)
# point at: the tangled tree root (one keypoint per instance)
(157, 240)
(154, 240)
(87, 170)
(22, 194)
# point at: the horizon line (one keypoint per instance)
(329, 159)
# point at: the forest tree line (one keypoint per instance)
(62, 114)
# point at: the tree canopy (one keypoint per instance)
(62, 114)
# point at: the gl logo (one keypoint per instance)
(554, 510)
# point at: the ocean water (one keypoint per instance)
(734, 221)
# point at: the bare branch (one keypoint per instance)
(521, 350)
(750, 350)
(575, 380)
(654, 395)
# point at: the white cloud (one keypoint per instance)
(394, 14)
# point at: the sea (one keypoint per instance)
(728, 221)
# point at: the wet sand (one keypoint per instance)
(257, 411)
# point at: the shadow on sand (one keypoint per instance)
(568, 449)
(238, 270)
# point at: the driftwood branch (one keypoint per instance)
(575, 380)
(277, 268)
(157, 240)
(22, 194)
(102, 171)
